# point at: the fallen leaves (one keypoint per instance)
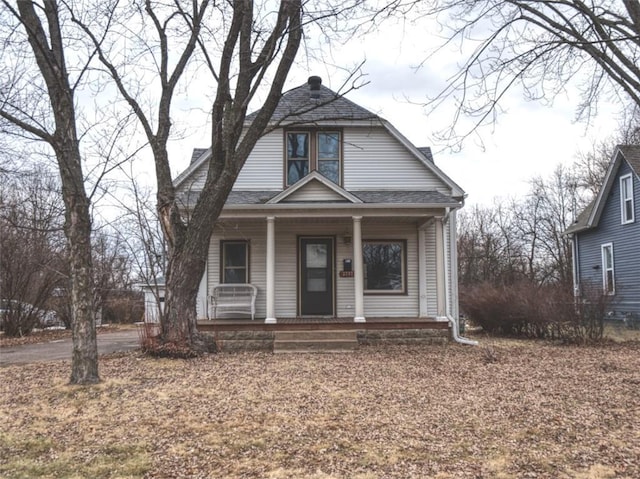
(539, 410)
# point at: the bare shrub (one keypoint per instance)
(151, 343)
(18, 319)
(124, 307)
(527, 310)
(588, 323)
(500, 309)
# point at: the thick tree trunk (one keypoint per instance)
(48, 49)
(187, 260)
(188, 244)
(179, 322)
(84, 360)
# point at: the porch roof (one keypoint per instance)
(379, 198)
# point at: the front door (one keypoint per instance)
(316, 276)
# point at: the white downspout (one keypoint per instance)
(576, 267)
(455, 326)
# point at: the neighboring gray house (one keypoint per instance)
(606, 237)
(335, 215)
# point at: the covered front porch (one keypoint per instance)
(310, 268)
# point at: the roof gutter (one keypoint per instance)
(455, 325)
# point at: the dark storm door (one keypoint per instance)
(316, 276)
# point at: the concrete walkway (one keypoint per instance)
(117, 341)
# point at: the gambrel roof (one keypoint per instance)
(311, 104)
(590, 216)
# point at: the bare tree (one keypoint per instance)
(31, 248)
(550, 207)
(257, 49)
(141, 235)
(490, 250)
(541, 46)
(40, 102)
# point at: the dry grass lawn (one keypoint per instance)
(507, 409)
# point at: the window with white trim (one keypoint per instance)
(234, 262)
(608, 274)
(626, 199)
(313, 150)
(384, 266)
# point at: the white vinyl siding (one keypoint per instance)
(373, 159)
(255, 234)
(202, 302)
(264, 168)
(314, 191)
(398, 305)
(195, 182)
(395, 305)
(432, 279)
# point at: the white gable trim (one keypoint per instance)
(609, 178)
(314, 176)
(456, 191)
(191, 168)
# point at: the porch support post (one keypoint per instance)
(422, 272)
(271, 271)
(441, 276)
(358, 270)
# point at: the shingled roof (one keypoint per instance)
(306, 105)
(590, 216)
(381, 197)
(631, 153)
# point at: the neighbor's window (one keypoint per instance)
(384, 266)
(626, 198)
(313, 150)
(234, 262)
(608, 276)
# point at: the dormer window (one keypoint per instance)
(626, 199)
(313, 150)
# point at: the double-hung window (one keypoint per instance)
(329, 155)
(234, 262)
(313, 150)
(384, 266)
(626, 199)
(297, 156)
(608, 274)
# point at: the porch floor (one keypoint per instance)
(311, 324)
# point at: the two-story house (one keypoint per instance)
(606, 238)
(335, 214)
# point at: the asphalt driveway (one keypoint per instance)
(117, 341)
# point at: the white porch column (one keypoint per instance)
(422, 272)
(358, 270)
(441, 276)
(271, 270)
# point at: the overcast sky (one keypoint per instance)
(529, 139)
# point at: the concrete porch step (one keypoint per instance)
(322, 341)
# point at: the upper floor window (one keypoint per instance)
(608, 274)
(313, 150)
(626, 198)
(234, 262)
